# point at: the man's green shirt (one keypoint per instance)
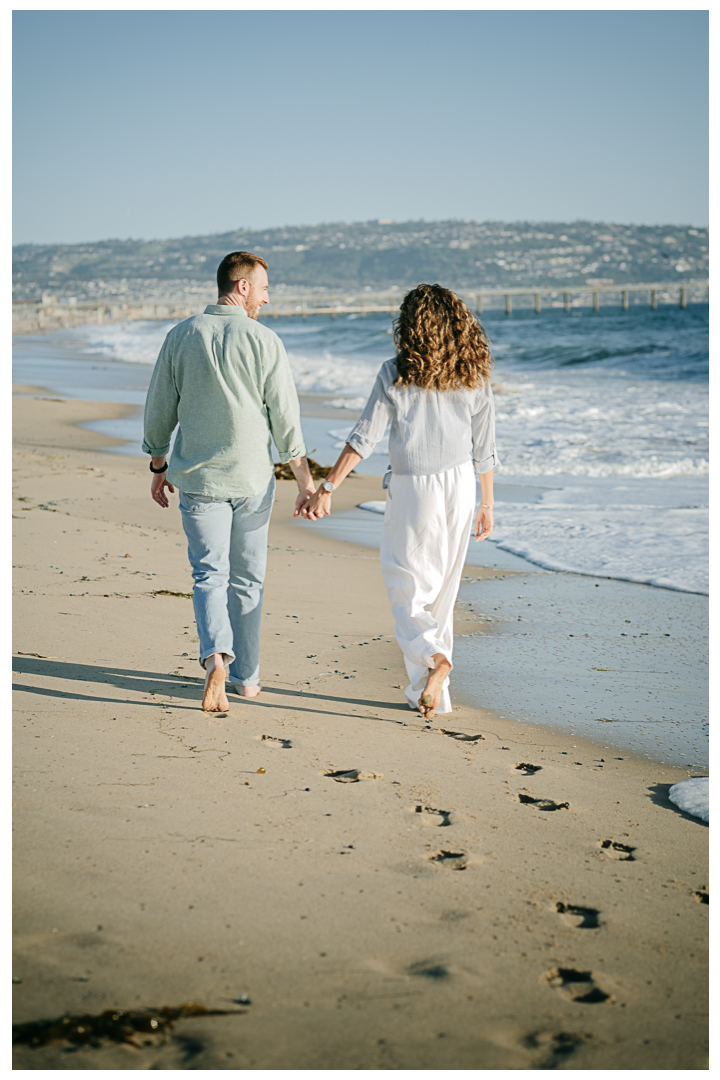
(224, 381)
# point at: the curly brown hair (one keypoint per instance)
(440, 344)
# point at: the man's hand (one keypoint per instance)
(317, 506)
(157, 489)
(302, 500)
(484, 521)
(301, 472)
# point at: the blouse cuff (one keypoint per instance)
(360, 445)
(488, 463)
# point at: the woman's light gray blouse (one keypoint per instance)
(430, 431)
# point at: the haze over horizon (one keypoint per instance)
(347, 223)
(144, 127)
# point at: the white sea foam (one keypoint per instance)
(333, 373)
(132, 343)
(375, 506)
(650, 545)
(692, 796)
(600, 426)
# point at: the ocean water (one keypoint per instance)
(602, 423)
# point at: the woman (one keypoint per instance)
(437, 399)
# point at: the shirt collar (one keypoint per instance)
(225, 309)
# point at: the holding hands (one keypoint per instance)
(318, 505)
(302, 500)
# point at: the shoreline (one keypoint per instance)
(469, 619)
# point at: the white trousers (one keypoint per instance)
(422, 554)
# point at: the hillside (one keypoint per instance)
(372, 255)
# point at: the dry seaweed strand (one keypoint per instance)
(318, 472)
(117, 1025)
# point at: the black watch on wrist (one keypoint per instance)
(163, 469)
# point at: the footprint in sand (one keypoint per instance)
(273, 740)
(527, 769)
(541, 804)
(582, 918)
(428, 969)
(351, 776)
(430, 816)
(555, 1046)
(702, 895)
(615, 850)
(461, 736)
(574, 985)
(450, 860)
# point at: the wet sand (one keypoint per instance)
(508, 901)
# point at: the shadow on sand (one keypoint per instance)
(160, 686)
(659, 795)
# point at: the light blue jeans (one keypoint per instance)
(227, 548)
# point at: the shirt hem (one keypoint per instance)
(192, 487)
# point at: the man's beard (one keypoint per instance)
(251, 308)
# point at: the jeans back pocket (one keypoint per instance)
(196, 503)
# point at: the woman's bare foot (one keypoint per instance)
(247, 691)
(430, 697)
(215, 699)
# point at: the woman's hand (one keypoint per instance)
(484, 522)
(317, 506)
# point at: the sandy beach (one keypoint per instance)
(480, 894)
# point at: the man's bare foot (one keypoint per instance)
(215, 699)
(430, 697)
(247, 691)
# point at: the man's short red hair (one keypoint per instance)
(236, 266)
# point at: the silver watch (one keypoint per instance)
(327, 486)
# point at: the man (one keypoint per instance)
(224, 380)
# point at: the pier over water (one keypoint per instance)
(38, 316)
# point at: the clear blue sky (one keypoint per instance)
(175, 123)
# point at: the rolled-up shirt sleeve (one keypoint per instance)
(373, 422)
(283, 407)
(161, 405)
(485, 455)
